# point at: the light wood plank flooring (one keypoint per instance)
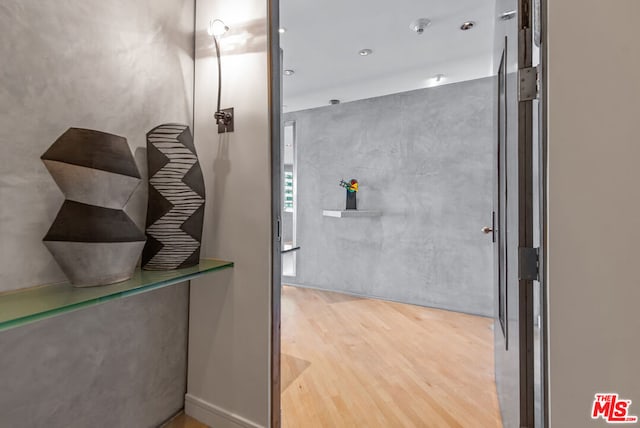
(352, 362)
(184, 421)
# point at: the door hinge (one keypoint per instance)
(528, 264)
(528, 84)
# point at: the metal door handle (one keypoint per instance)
(487, 230)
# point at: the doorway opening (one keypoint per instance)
(393, 159)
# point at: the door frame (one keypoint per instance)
(543, 251)
(525, 222)
(525, 146)
(275, 104)
(527, 373)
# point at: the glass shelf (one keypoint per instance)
(24, 306)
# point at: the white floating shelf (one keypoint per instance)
(351, 213)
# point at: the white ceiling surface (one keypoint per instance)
(324, 36)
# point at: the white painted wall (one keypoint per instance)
(230, 312)
(594, 206)
(594, 225)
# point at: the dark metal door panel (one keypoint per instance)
(513, 330)
(500, 215)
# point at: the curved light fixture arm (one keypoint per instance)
(224, 118)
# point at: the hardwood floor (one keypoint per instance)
(184, 421)
(352, 362)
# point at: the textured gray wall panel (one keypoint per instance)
(117, 365)
(117, 66)
(122, 67)
(424, 158)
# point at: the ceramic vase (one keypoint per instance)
(175, 212)
(92, 239)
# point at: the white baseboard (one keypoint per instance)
(215, 416)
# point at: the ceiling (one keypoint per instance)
(323, 39)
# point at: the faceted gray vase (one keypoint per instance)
(92, 239)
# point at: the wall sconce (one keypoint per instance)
(224, 117)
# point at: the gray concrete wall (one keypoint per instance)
(117, 365)
(122, 67)
(424, 158)
(118, 66)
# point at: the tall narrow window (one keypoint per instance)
(289, 202)
(288, 190)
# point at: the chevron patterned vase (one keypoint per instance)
(93, 240)
(176, 200)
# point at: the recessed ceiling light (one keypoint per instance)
(508, 15)
(467, 25)
(419, 25)
(334, 102)
(365, 52)
(289, 72)
(282, 30)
